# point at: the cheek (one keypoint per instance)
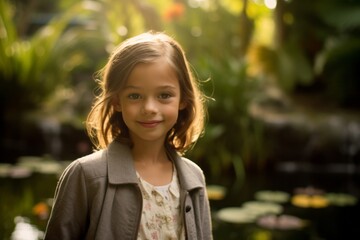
(172, 112)
(127, 117)
(128, 111)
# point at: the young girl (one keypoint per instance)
(137, 186)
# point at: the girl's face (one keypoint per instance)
(150, 101)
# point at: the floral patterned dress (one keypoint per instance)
(161, 218)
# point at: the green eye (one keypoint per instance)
(134, 96)
(165, 96)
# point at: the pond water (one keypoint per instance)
(20, 204)
(26, 191)
(26, 196)
(335, 220)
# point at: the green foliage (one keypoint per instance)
(341, 71)
(232, 142)
(317, 46)
(339, 59)
(31, 69)
(341, 15)
(293, 68)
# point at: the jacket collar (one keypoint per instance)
(121, 167)
(187, 177)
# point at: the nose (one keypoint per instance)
(150, 106)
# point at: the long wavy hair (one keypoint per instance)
(104, 124)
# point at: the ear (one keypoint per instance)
(116, 104)
(182, 105)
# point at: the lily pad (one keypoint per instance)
(5, 169)
(236, 215)
(20, 172)
(39, 164)
(341, 199)
(262, 208)
(272, 196)
(216, 192)
(49, 167)
(30, 162)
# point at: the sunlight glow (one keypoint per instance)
(122, 30)
(198, 3)
(270, 3)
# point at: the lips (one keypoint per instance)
(149, 124)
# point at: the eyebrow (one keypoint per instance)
(139, 87)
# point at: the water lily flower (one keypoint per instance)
(282, 222)
(216, 192)
(309, 201)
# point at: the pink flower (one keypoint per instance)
(147, 207)
(154, 235)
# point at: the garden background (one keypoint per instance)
(281, 149)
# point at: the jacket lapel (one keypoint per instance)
(121, 168)
(188, 178)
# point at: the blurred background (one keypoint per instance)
(281, 151)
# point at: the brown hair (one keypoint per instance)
(104, 124)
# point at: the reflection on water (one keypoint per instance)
(26, 191)
(25, 231)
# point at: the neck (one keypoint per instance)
(152, 153)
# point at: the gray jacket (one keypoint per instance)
(98, 197)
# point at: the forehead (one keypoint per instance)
(157, 73)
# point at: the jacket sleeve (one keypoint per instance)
(69, 216)
(206, 214)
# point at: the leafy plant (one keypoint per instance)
(317, 48)
(233, 141)
(341, 71)
(32, 68)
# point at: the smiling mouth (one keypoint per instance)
(150, 124)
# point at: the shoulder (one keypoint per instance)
(192, 166)
(190, 174)
(91, 166)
